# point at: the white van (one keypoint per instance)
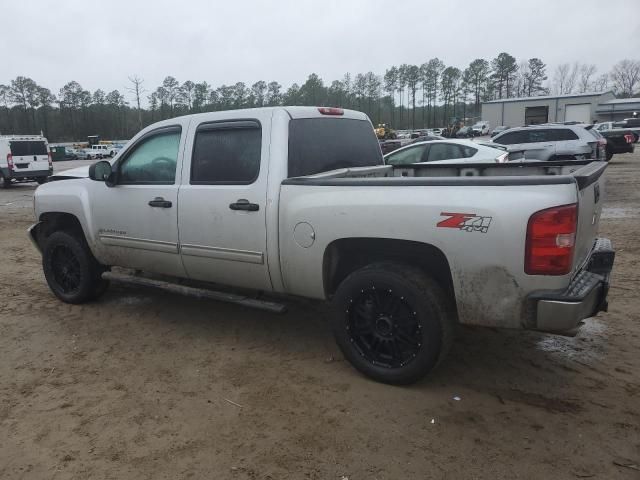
(480, 128)
(24, 158)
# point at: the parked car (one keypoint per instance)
(298, 201)
(70, 153)
(480, 128)
(552, 142)
(426, 138)
(103, 151)
(631, 124)
(446, 151)
(24, 158)
(92, 154)
(465, 132)
(85, 154)
(618, 140)
(436, 131)
(499, 129)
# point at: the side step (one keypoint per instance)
(196, 292)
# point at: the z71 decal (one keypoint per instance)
(469, 222)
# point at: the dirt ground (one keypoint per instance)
(145, 385)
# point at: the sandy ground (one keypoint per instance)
(145, 385)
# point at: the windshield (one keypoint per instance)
(323, 144)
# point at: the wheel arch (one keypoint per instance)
(50, 222)
(344, 256)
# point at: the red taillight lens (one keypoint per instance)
(9, 161)
(330, 111)
(628, 138)
(551, 238)
(50, 160)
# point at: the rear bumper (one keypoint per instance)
(20, 174)
(586, 295)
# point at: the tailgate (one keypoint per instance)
(591, 189)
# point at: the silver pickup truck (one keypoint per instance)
(297, 201)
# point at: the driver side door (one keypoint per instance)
(135, 221)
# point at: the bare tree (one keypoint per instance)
(626, 77)
(586, 72)
(560, 78)
(601, 83)
(137, 91)
(572, 78)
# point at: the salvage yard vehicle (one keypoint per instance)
(298, 201)
(446, 151)
(24, 158)
(480, 128)
(549, 142)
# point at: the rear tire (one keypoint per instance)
(4, 181)
(392, 322)
(71, 270)
(41, 180)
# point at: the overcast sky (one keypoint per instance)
(100, 43)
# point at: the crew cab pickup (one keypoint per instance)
(298, 201)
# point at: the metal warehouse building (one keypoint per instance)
(515, 112)
(618, 109)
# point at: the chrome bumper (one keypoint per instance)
(562, 312)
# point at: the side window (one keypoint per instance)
(226, 153)
(511, 138)
(538, 136)
(406, 157)
(468, 152)
(152, 161)
(562, 134)
(444, 151)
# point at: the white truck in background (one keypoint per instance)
(298, 201)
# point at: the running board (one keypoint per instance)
(196, 292)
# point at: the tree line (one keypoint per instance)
(405, 96)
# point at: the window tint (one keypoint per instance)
(28, 148)
(511, 138)
(444, 151)
(406, 157)
(537, 136)
(323, 144)
(226, 153)
(153, 160)
(562, 134)
(468, 152)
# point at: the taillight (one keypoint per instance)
(9, 161)
(551, 238)
(330, 111)
(628, 137)
(50, 160)
(504, 158)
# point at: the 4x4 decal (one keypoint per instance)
(469, 222)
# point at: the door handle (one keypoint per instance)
(243, 204)
(160, 202)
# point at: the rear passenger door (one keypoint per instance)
(222, 203)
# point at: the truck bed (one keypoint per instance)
(583, 173)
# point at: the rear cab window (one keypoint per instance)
(319, 145)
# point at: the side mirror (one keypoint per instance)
(102, 172)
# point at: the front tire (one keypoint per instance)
(71, 270)
(392, 322)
